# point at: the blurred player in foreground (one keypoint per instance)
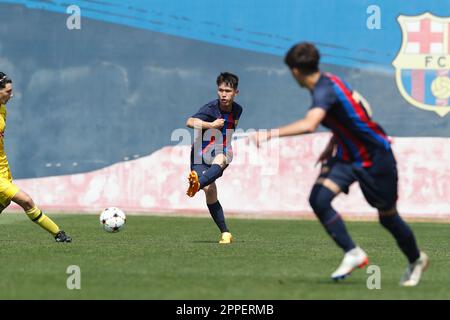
(211, 152)
(359, 150)
(10, 192)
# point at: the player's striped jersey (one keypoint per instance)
(4, 166)
(209, 141)
(349, 118)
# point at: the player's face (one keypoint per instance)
(6, 93)
(226, 95)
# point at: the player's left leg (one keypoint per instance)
(37, 216)
(216, 211)
(402, 233)
(379, 186)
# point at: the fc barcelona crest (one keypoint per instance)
(423, 62)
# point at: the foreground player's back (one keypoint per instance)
(349, 118)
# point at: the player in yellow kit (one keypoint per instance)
(10, 192)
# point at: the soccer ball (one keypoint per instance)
(112, 219)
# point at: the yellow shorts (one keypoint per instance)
(7, 191)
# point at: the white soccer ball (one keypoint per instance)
(112, 219)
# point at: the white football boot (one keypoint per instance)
(413, 272)
(355, 258)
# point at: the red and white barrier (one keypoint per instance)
(270, 182)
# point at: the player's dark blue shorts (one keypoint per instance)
(378, 183)
(200, 168)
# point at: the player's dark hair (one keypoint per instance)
(229, 79)
(4, 79)
(303, 56)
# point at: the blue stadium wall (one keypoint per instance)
(118, 87)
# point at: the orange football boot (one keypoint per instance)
(194, 184)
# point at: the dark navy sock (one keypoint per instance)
(403, 235)
(320, 200)
(216, 212)
(210, 175)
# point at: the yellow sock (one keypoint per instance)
(41, 219)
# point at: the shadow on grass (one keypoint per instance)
(203, 241)
(322, 281)
(217, 242)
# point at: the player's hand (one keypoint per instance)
(327, 153)
(260, 137)
(217, 124)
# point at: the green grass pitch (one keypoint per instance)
(179, 258)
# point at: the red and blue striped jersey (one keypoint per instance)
(210, 112)
(349, 118)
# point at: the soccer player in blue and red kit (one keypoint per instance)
(211, 152)
(359, 150)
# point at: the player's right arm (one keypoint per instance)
(308, 124)
(196, 123)
(323, 99)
